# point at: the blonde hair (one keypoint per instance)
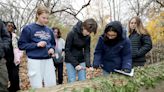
(139, 28)
(40, 10)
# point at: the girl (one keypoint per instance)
(38, 41)
(140, 41)
(113, 51)
(13, 58)
(59, 50)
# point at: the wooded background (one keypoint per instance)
(65, 13)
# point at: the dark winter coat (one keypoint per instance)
(117, 56)
(10, 53)
(4, 40)
(77, 47)
(141, 44)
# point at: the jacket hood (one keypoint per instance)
(78, 27)
(117, 25)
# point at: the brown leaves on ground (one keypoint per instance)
(24, 80)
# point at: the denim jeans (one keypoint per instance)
(71, 72)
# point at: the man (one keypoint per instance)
(4, 45)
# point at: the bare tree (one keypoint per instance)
(22, 12)
(70, 10)
(161, 2)
(116, 10)
(140, 9)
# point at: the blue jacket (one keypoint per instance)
(31, 35)
(116, 56)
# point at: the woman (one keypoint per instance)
(140, 41)
(77, 49)
(59, 50)
(113, 50)
(13, 58)
(38, 41)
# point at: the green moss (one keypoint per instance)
(146, 77)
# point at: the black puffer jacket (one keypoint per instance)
(77, 48)
(4, 40)
(141, 44)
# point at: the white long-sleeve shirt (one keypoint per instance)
(60, 44)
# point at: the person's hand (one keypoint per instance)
(51, 52)
(91, 68)
(62, 54)
(41, 44)
(17, 63)
(56, 55)
(78, 67)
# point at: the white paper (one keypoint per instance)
(122, 72)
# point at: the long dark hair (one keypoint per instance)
(108, 41)
(59, 33)
(14, 27)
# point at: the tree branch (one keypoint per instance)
(65, 10)
(83, 7)
(43, 2)
(146, 5)
(132, 6)
(71, 12)
(162, 4)
(53, 6)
